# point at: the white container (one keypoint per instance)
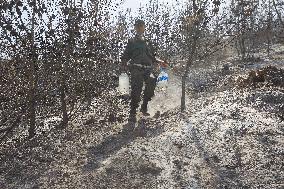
(162, 80)
(123, 86)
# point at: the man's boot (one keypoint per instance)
(129, 127)
(143, 109)
(132, 117)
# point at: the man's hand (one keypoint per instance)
(123, 68)
(164, 64)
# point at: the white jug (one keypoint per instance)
(162, 80)
(123, 86)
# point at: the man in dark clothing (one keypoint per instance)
(142, 65)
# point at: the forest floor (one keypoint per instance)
(230, 136)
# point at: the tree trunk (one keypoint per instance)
(65, 118)
(268, 46)
(189, 63)
(32, 83)
(183, 94)
(242, 47)
(269, 29)
(278, 13)
(63, 104)
(237, 48)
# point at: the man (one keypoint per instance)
(142, 66)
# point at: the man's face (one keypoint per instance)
(140, 29)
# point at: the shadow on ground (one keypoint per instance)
(112, 144)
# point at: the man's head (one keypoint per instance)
(139, 26)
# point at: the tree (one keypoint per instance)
(44, 59)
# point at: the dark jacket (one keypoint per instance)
(140, 52)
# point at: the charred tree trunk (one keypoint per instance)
(278, 13)
(189, 63)
(63, 103)
(65, 64)
(192, 27)
(242, 46)
(63, 77)
(269, 29)
(183, 107)
(32, 82)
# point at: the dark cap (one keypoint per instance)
(139, 22)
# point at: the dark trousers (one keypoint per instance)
(138, 77)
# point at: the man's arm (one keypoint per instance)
(156, 61)
(126, 56)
